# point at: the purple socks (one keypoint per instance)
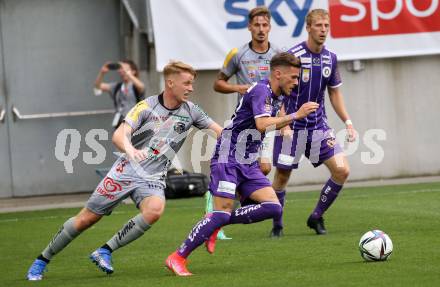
(328, 194)
(203, 230)
(256, 212)
(247, 214)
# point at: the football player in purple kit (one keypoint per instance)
(312, 135)
(234, 166)
(249, 63)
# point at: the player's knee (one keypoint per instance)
(83, 222)
(278, 211)
(275, 209)
(152, 215)
(342, 173)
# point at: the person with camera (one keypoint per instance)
(126, 93)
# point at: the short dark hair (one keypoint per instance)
(132, 65)
(285, 59)
(259, 11)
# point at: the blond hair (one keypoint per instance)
(177, 67)
(315, 13)
(259, 11)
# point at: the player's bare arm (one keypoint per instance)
(215, 127)
(338, 104)
(122, 140)
(99, 79)
(279, 122)
(221, 85)
(287, 130)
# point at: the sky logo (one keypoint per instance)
(232, 7)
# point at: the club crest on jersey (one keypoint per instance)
(326, 71)
(305, 75)
(179, 127)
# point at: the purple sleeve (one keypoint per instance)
(261, 102)
(335, 78)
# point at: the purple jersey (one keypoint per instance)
(240, 140)
(318, 71)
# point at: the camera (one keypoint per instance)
(113, 66)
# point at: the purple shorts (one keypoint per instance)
(229, 178)
(316, 145)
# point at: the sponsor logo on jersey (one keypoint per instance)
(300, 53)
(293, 50)
(306, 60)
(326, 71)
(316, 61)
(248, 62)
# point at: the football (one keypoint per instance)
(375, 245)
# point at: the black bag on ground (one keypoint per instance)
(185, 185)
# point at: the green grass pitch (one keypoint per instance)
(410, 214)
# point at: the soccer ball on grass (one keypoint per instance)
(375, 245)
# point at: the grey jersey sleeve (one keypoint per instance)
(230, 65)
(137, 114)
(200, 119)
